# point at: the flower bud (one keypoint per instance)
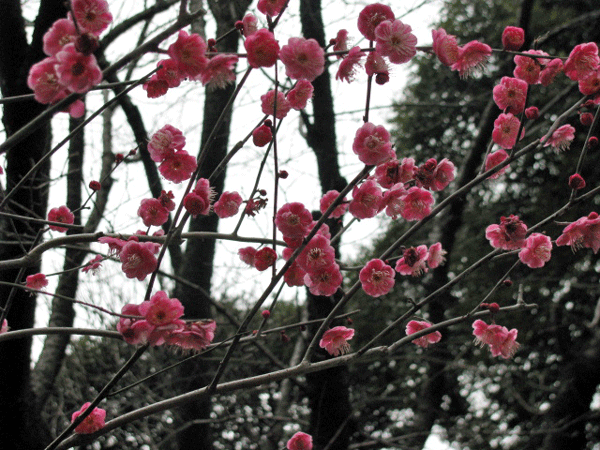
(266, 314)
(576, 182)
(262, 135)
(95, 185)
(592, 142)
(507, 283)
(532, 113)
(283, 174)
(513, 38)
(586, 119)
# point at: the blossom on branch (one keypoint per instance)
(377, 278)
(414, 326)
(500, 341)
(92, 423)
(335, 340)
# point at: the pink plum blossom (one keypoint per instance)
(268, 104)
(529, 69)
(75, 71)
(36, 281)
(92, 423)
(500, 341)
(372, 144)
(152, 212)
(506, 128)
(349, 65)
(219, 72)
(325, 281)
(394, 171)
(302, 58)
(262, 135)
(264, 258)
(513, 38)
(510, 234)
(247, 255)
(61, 214)
(511, 95)
(178, 166)
(293, 220)
(193, 336)
(335, 340)
(415, 326)
(582, 61)
(417, 204)
(43, 81)
(169, 72)
(92, 16)
(561, 138)
(395, 40)
(300, 441)
(61, 33)
(228, 204)
(328, 199)
(165, 142)
(366, 200)
(261, 48)
(393, 200)
(189, 52)
(249, 24)
(160, 309)
(471, 58)
(377, 278)
(317, 255)
(271, 7)
(435, 255)
(371, 16)
(299, 96)
(445, 47)
(138, 260)
(413, 261)
(493, 159)
(376, 65)
(340, 43)
(537, 250)
(549, 72)
(93, 265)
(583, 233)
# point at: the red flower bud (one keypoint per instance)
(592, 142)
(283, 174)
(532, 113)
(95, 185)
(507, 283)
(266, 314)
(586, 119)
(576, 181)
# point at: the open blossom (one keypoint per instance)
(372, 144)
(178, 166)
(500, 341)
(43, 81)
(513, 38)
(349, 65)
(413, 261)
(293, 220)
(155, 87)
(417, 204)
(271, 7)
(219, 71)
(561, 138)
(268, 104)
(198, 201)
(394, 171)
(152, 212)
(138, 260)
(392, 200)
(92, 16)
(590, 85)
(508, 235)
(165, 142)
(377, 278)
(366, 200)
(435, 255)
(300, 441)
(115, 245)
(529, 69)
(335, 340)
(249, 24)
(36, 281)
(317, 255)
(537, 250)
(61, 214)
(169, 72)
(471, 58)
(261, 48)
(160, 309)
(510, 95)
(340, 43)
(583, 233)
(506, 128)
(228, 204)
(189, 52)
(493, 159)
(247, 254)
(75, 71)
(550, 71)
(445, 47)
(324, 281)
(92, 423)
(371, 16)
(328, 199)
(93, 265)
(264, 258)
(61, 33)
(193, 336)
(395, 40)
(302, 58)
(414, 326)
(299, 96)
(582, 61)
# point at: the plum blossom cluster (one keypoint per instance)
(158, 321)
(190, 57)
(137, 258)
(511, 234)
(500, 341)
(70, 66)
(416, 261)
(393, 39)
(166, 148)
